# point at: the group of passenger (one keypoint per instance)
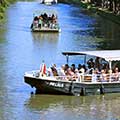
(45, 20)
(67, 72)
(101, 71)
(94, 69)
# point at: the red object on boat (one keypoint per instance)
(43, 69)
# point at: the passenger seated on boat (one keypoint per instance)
(70, 74)
(90, 63)
(94, 75)
(62, 70)
(97, 63)
(61, 73)
(54, 70)
(105, 66)
(36, 18)
(73, 68)
(103, 76)
(45, 16)
(110, 75)
(53, 18)
(49, 72)
(80, 72)
(78, 75)
(89, 70)
(116, 73)
(82, 69)
(66, 68)
(35, 23)
(40, 22)
(79, 66)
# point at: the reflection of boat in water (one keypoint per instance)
(51, 106)
(39, 102)
(51, 37)
(83, 83)
(45, 21)
(46, 101)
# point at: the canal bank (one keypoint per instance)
(4, 4)
(102, 12)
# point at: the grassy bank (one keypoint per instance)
(3, 6)
(102, 12)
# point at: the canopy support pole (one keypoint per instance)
(85, 59)
(67, 58)
(110, 67)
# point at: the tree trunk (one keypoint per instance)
(114, 6)
(110, 5)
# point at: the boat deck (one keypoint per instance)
(45, 30)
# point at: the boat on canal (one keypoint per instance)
(45, 21)
(82, 82)
(49, 2)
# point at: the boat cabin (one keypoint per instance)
(101, 61)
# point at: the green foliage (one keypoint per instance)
(2, 9)
(3, 5)
(97, 7)
(1, 15)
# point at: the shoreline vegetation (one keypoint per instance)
(3, 6)
(109, 9)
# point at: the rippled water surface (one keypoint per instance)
(21, 51)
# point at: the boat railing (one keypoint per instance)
(79, 78)
(90, 78)
(33, 73)
(101, 77)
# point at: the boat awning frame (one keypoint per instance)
(108, 55)
(48, 11)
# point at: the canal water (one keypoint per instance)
(21, 51)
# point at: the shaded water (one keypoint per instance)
(21, 50)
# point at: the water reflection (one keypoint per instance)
(108, 34)
(45, 45)
(73, 107)
(50, 37)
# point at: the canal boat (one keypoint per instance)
(45, 21)
(82, 85)
(49, 2)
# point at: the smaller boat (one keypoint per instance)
(49, 2)
(45, 21)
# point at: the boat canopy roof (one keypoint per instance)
(48, 11)
(108, 55)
